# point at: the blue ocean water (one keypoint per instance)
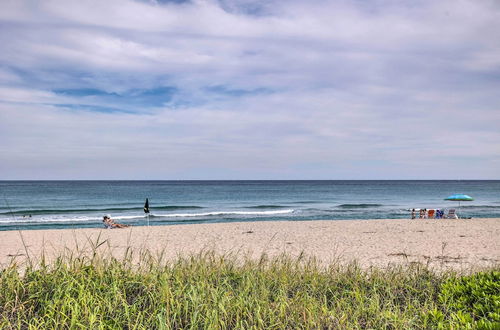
(78, 204)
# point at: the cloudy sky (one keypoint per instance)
(241, 89)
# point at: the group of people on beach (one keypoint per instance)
(432, 214)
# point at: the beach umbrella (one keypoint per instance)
(459, 198)
(146, 209)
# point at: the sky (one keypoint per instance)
(240, 89)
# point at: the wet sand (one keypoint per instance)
(441, 244)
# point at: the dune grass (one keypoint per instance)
(221, 292)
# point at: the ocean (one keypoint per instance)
(79, 204)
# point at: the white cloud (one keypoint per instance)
(296, 89)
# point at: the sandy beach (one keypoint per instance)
(456, 244)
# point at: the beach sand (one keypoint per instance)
(441, 244)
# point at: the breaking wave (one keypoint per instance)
(265, 207)
(215, 213)
(103, 210)
(97, 219)
(358, 206)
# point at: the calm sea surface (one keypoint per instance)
(77, 204)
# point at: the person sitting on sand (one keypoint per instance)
(110, 224)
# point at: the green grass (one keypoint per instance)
(209, 291)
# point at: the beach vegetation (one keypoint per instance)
(471, 301)
(227, 292)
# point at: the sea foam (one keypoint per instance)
(216, 213)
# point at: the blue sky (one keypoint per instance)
(239, 89)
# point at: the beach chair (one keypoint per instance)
(430, 214)
(451, 214)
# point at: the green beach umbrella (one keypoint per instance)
(459, 198)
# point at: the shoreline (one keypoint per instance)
(462, 244)
(143, 223)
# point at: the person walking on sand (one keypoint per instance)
(413, 214)
(110, 224)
